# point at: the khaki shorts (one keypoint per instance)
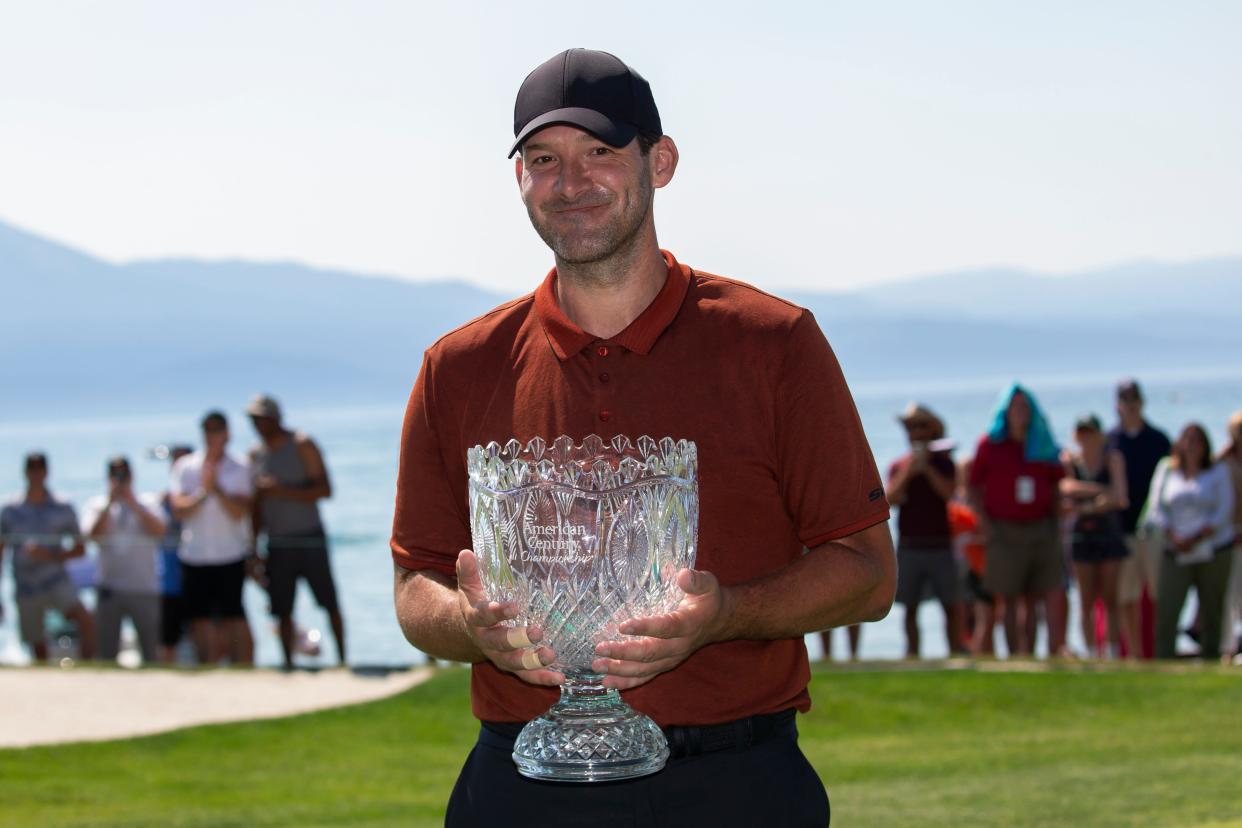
(32, 609)
(1024, 558)
(1141, 567)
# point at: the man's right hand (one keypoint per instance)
(513, 649)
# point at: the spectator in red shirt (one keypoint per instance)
(1013, 487)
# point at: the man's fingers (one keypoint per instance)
(518, 661)
(507, 639)
(655, 626)
(487, 614)
(546, 678)
(696, 582)
(633, 669)
(641, 650)
(468, 580)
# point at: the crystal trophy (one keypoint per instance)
(582, 538)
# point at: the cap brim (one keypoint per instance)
(613, 133)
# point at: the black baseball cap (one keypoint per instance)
(1087, 422)
(1129, 387)
(591, 90)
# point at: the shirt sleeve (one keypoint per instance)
(243, 484)
(828, 476)
(1222, 513)
(430, 520)
(1157, 512)
(72, 527)
(176, 483)
(979, 466)
(91, 511)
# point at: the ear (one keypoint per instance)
(664, 157)
(517, 169)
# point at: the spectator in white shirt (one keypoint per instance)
(212, 496)
(127, 527)
(1191, 501)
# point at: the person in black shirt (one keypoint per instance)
(921, 484)
(1143, 446)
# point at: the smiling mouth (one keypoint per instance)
(578, 208)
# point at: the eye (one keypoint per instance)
(539, 160)
(601, 150)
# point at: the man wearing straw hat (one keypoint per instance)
(921, 484)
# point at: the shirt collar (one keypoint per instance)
(567, 339)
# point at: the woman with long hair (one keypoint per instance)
(1231, 458)
(1094, 492)
(1192, 501)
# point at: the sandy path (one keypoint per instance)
(41, 706)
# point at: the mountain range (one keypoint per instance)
(88, 335)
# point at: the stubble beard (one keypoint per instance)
(587, 251)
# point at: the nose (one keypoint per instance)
(573, 180)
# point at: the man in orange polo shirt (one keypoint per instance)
(621, 338)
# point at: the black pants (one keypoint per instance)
(770, 784)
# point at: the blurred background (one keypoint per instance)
(203, 202)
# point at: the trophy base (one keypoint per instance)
(590, 735)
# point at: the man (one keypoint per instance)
(127, 528)
(1143, 446)
(43, 533)
(921, 484)
(212, 497)
(290, 480)
(622, 339)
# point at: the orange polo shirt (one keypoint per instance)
(783, 462)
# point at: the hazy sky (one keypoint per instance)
(822, 144)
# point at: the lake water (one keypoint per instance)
(361, 445)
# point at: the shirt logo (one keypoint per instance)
(874, 495)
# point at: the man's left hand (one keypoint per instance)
(662, 642)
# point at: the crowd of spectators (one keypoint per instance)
(1133, 518)
(174, 564)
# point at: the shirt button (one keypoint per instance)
(602, 350)
(604, 377)
(605, 415)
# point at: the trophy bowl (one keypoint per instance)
(582, 538)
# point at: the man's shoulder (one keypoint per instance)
(733, 298)
(496, 328)
(59, 503)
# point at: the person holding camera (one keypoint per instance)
(127, 527)
(920, 485)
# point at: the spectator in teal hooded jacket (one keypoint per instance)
(1013, 486)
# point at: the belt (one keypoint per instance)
(692, 740)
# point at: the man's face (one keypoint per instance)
(920, 430)
(215, 435)
(1129, 404)
(267, 427)
(586, 199)
(36, 474)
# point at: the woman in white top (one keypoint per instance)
(1191, 501)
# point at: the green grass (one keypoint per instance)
(894, 747)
